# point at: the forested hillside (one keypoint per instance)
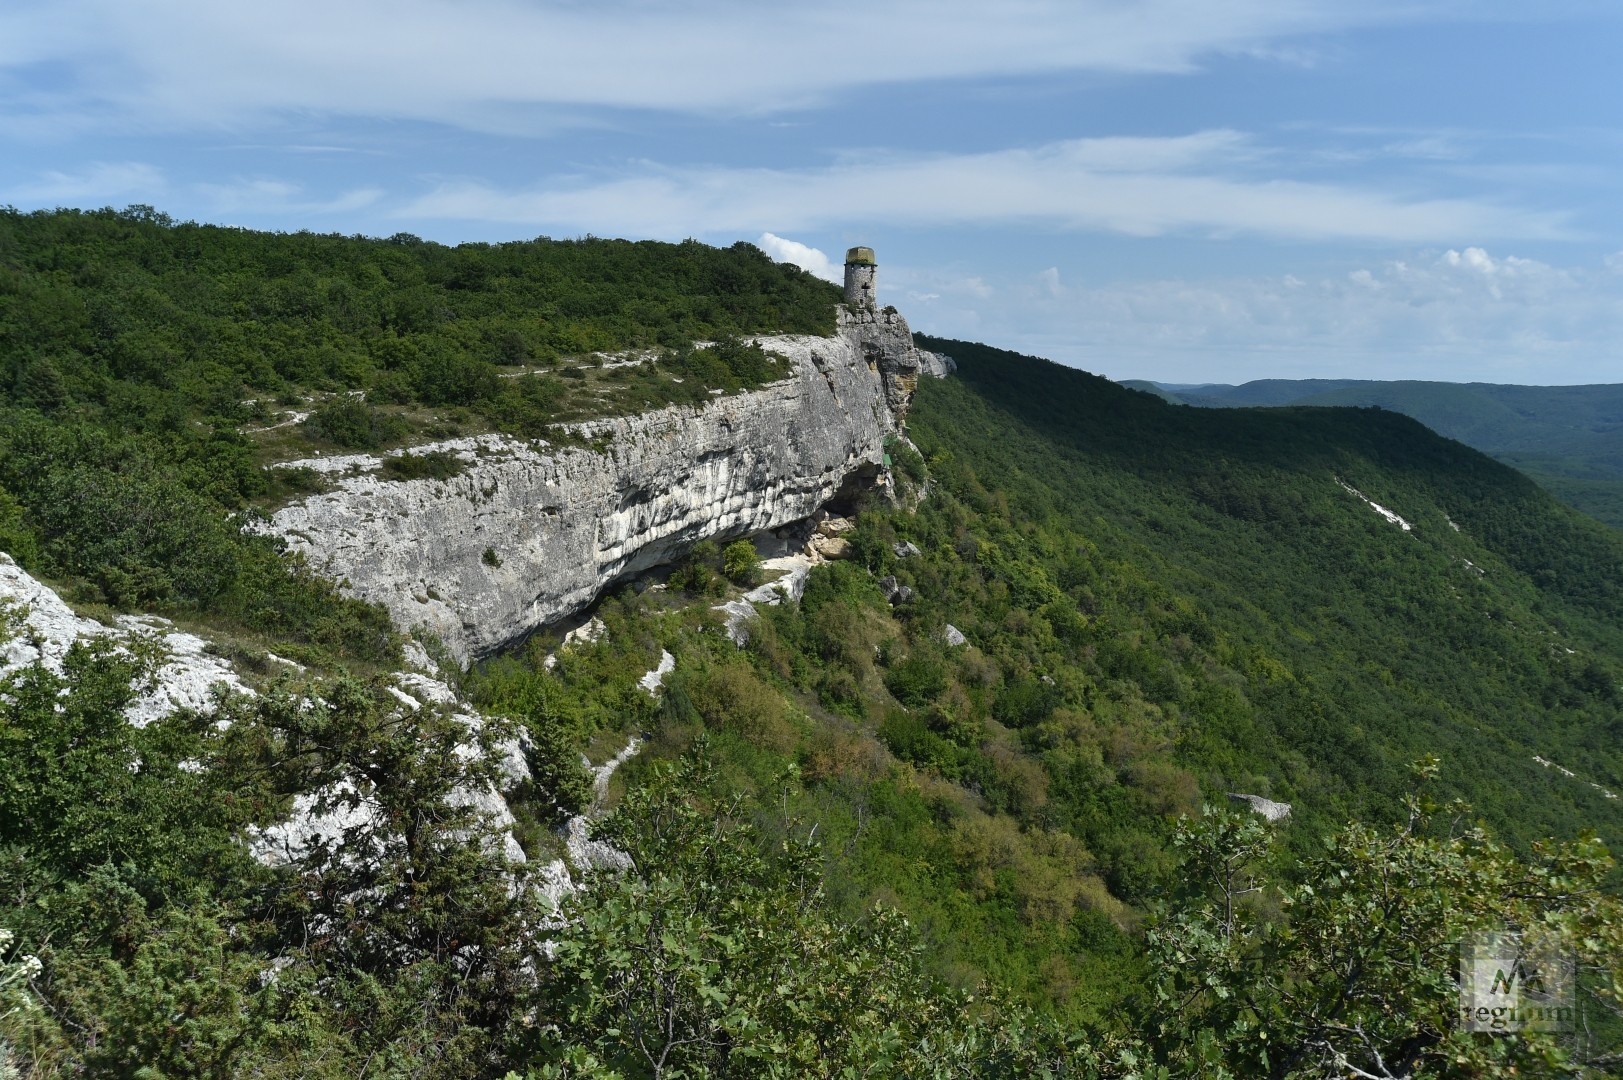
(1417, 632)
(960, 811)
(1568, 438)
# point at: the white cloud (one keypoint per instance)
(99, 180)
(1201, 183)
(808, 259)
(1473, 258)
(1456, 315)
(484, 63)
(272, 196)
(974, 286)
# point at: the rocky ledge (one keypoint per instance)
(530, 533)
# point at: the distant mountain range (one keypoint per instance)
(1568, 438)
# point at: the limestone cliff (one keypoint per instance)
(530, 533)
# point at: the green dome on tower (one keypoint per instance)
(860, 256)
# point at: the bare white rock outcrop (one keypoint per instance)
(1268, 808)
(555, 881)
(41, 628)
(936, 365)
(347, 812)
(531, 533)
(47, 628)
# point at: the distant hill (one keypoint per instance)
(1257, 392)
(1568, 438)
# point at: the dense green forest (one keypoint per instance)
(1568, 438)
(1453, 635)
(980, 831)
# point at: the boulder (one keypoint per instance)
(833, 547)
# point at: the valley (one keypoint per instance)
(513, 766)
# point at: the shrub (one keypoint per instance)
(352, 423)
(840, 584)
(16, 538)
(907, 461)
(916, 681)
(697, 574)
(732, 697)
(838, 692)
(560, 785)
(513, 349)
(294, 482)
(740, 563)
(910, 738)
(434, 465)
(446, 377)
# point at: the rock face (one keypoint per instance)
(531, 533)
(1273, 811)
(36, 626)
(936, 365)
(885, 344)
(46, 628)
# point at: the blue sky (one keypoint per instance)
(1187, 190)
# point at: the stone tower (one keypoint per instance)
(861, 272)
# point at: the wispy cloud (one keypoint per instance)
(1201, 183)
(185, 63)
(98, 180)
(274, 196)
(1462, 314)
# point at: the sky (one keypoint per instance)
(1182, 190)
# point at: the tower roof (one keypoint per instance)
(860, 256)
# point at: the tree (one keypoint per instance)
(715, 955)
(740, 563)
(1355, 975)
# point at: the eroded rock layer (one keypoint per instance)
(531, 533)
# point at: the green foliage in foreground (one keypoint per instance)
(168, 950)
(407, 946)
(1346, 966)
(716, 955)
